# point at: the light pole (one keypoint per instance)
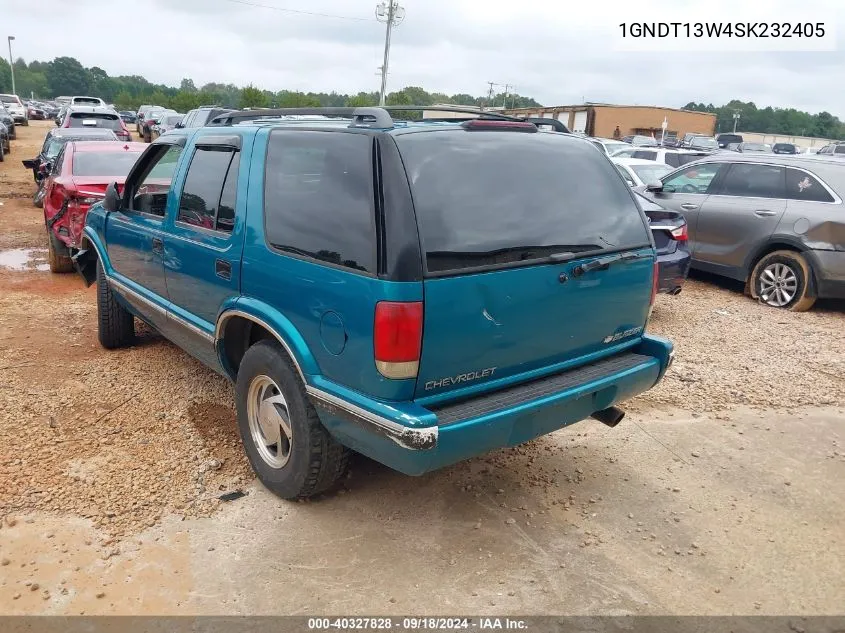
(736, 118)
(12, 64)
(392, 14)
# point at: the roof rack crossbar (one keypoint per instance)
(375, 117)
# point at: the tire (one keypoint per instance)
(25, 122)
(314, 461)
(115, 324)
(2, 152)
(782, 280)
(59, 262)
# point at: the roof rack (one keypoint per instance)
(372, 117)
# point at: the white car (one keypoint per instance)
(638, 172)
(16, 108)
(667, 156)
(608, 146)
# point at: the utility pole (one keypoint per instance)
(490, 93)
(736, 118)
(392, 14)
(12, 64)
(505, 96)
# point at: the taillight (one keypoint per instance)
(397, 338)
(680, 234)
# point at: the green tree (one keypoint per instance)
(187, 85)
(289, 99)
(252, 97)
(66, 76)
(362, 99)
(5, 77)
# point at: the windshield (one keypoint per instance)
(11, 99)
(704, 141)
(172, 120)
(84, 119)
(484, 198)
(754, 147)
(107, 164)
(650, 173)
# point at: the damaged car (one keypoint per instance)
(78, 179)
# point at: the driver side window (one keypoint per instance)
(150, 192)
(693, 179)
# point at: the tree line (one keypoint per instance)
(787, 121)
(67, 76)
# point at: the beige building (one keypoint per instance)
(601, 119)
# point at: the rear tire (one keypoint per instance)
(271, 398)
(782, 280)
(25, 122)
(115, 324)
(56, 257)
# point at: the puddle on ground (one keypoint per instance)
(24, 259)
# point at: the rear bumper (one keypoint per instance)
(415, 440)
(673, 269)
(829, 271)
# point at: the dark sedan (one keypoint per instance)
(669, 230)
(128, 117)
(9, 121)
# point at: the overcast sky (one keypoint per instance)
(559, 52)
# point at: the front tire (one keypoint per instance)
(288, 447)
(115, 324)
(782, 280)
(57, 256)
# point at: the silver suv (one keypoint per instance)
(774, 222)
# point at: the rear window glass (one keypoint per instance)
(111, 164)
(487, 198)
(318, 197)
(81, 100)
(83, 119)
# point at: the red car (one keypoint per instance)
(96, 117)
(79, 177)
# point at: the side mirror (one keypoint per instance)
(111, 201)
(32, 163)
(655, 186)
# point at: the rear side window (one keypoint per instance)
(491, 198)
(754, 181)
(208, 197)
(840, 149)
(802, 186)
(318, 197)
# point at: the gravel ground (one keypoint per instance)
(127, 437)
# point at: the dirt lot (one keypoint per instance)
(718, 494)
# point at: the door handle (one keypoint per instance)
(223, 269)
(764, 213)
(158, 245)
(689, 206)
